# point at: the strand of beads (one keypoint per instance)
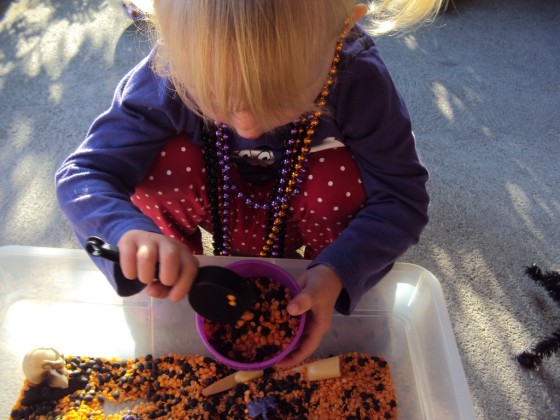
(224, 166)
(287, 184)
(282, 191)
(281, 179)
(275, 228)
(274, 232)
(219, 203)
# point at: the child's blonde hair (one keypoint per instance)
(260, 56)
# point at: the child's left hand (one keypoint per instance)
(320, 289)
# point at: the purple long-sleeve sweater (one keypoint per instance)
(366, 113)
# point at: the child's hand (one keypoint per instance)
(320, 289)
(140, 251)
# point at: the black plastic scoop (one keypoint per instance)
(217, 294)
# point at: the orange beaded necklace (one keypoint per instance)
(221, 190)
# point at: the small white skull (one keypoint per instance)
(45, 365)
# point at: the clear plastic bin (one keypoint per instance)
(57, 298)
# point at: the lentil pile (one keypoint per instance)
(262, 331)
(170, 388)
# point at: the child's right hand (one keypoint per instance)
(140, 251)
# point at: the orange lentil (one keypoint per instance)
(364, 390)
(250, 341)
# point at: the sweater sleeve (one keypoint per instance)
(94, 183)
(376, 127)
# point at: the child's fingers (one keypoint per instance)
(179, 290)
(157, 290)
(169, 263)
(317, 298)
(300, 354)
(164, 264)
(188, 271)
(146, 259)
(310, 341)
(300, 304)
(128, 260)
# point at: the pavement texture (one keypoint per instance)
(483, 87)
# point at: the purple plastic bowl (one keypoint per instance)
(248, 269)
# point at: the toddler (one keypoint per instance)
(272, 124)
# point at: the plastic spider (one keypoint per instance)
(548, 346)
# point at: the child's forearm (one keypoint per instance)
(94, 183)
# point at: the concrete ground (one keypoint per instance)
(483, 87)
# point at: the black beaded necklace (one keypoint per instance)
(221, 189)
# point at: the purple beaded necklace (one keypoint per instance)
(222, 147)
(222, 190)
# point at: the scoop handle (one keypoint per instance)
(97, 247)
(209, 290)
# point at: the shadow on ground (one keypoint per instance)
(60, 62)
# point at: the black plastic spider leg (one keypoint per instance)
(550, 280)
(545, 348)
